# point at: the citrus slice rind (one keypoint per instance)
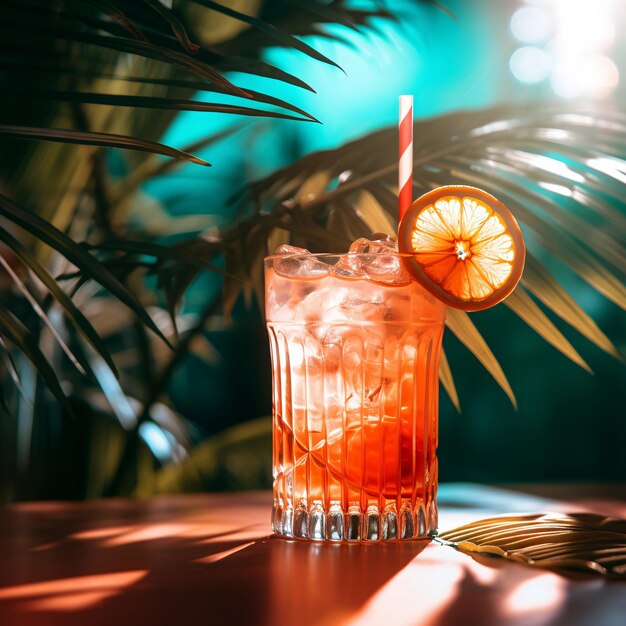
(465, 246)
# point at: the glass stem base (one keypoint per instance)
(316, 523)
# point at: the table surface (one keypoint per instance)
(209, 557)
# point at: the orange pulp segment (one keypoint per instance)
(466, 247)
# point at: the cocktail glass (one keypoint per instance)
(355, 347)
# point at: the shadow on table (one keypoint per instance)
(182, 561)
(92, 566)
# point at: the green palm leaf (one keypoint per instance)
(56, 57)
(81, 323)
(74, 253)
(76, 358)
(281, 37)
(175, 24)
(13, 330)
(150, 102)
(109, 140)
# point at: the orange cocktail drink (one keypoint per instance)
(355, 346)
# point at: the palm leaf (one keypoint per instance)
(175, 24)
(447, 380)
(114, 12)
(526, 157)
(545, 288)
(81, 323)
(191, 85)
(9, 364)
(76, 359)
(74, 253)
(18, 334)
(275, 33)
(67, 135)
(555, 541)
(524, 306)
(462, 326)
(145, 49)
(149, 102)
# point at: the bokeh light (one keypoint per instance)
(588, 76)
(583, 25)
(530, 64)
(573, 44)
(531, 24)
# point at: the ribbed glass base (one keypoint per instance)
(354, 524)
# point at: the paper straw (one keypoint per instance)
(405, 155)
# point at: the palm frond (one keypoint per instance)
(563, 542)
(545, 288)
(9, 365)
(530, 158)
(14, 331)
(447, 380)
(68, 135)
(268, 29)
(525, 307)
(75, 358)
(463, 328)
(83, 40)
(76, 254)
(148, 102)
(73, 313)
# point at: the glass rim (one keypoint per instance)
(299, 255)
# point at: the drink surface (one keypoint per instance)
(355, 352)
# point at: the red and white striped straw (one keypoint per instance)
(405, 155)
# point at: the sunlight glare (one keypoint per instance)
(94, 584)
(218, 556)
(615, 168)
(572, 41)
(594, 75)
(147, 533)
(545, 593)
(584, 25)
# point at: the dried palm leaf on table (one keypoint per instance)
(555, 541)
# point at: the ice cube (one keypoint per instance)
(295, 266)
(384, 239)
(324, 304)
(387, 269)
(287, 249)
(360, 246)
(375, 259)
(351, 265)
(378, 243)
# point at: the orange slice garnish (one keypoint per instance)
(466, 247)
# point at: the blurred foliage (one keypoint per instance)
(93, 274)
(238, 458)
